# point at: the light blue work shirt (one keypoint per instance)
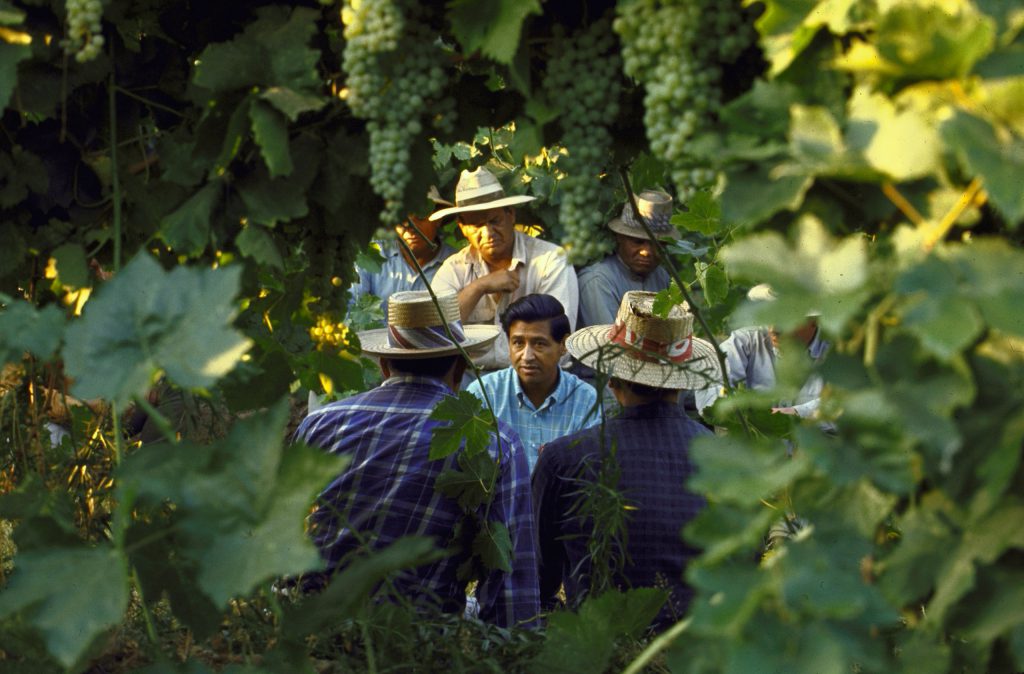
(750, 359)
(603, 284)
(396, 275)
(567, 409)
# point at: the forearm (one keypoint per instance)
(469, 297)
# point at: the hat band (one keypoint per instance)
(431, 337)
(651, 350)
(491, 195)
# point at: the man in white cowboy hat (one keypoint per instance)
(650, 359)
(750, 355)
(633, 265)
(388, 490)
(500, 264)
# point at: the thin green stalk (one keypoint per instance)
(118, 435)
(666, 260)
(663, 641)
(371, 658)
(115, 179)
(162, 424)
(154, 640)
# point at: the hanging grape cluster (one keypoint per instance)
(85, 31)
(674, 49)
(395, 75)
(584, 72)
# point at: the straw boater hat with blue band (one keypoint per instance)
(477, 191)
(655, 208)
(415, 329)
(645, 348)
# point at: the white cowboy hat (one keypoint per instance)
(655, 208)
(644, 348)
(415, 329)
(763, 292)
(477, 191)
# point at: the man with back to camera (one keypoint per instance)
(500, 264)
(534, 395)
(388, 490)
(650, 359)
(633, 265)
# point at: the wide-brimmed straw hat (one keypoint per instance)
(644, 348)
(655, 208)
(415, 328)
(477, 191)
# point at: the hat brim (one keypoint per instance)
(497, 203)
(618, 226)
(592, 348)
(375, 343)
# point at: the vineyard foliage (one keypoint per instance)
(185, 188)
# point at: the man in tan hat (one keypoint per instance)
(387, 491)
(633, 265)
(500, 264)
(650, 360)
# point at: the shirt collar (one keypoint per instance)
(426, 382)
(518, 254)
(652, 410)
(557, 394)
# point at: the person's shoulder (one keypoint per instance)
(601, 268)
(578, 388)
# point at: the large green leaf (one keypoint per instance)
(993, 153)
(10, 56)
(471, 486)
(927, 41)
(187, 229)
(729, 596)
(72, 269)
(293, 103)
(256, 242)
(146, 320)
(241, 502)
(469, 421)
(70, 595)
(270, 129)
(23, 329)
(736, 470)
(754, 193)
(269, 200)
(901, 143)
(703, 214)
(491, 26)
(584, 642)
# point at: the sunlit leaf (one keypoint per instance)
(469, 422)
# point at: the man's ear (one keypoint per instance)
(458, 370)
(385, 367)
(561, 346)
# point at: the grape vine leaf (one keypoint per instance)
(350, 587)
(272, 200)
(583, 642)
(270, 129)
(256, 243)
(187, 229)
(897, 141)
(72, 269)
(70, 613)
(242, 501)
(713, 280)
(666, 299)
(491, 26)
(736, 470)
(493, 545)
(737, 589)
(146, 320)
(25, 328)
(703, 214)
(754, 193)
(923, 41)
(469, 421)
(993, 153)
(10, 56)
(293, 103)
(471, 485)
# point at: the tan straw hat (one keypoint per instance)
(415, 329)
(477, 191)
(655, 208)
(647, 349)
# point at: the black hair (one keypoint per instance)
(422, 367)
(643, 390)
(538, 307)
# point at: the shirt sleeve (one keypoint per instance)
(558, 279)
(547, 497)
(446, 280)
(598, 304)
(509, 599)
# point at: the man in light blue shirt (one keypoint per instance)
(398, 272)
(535, 396)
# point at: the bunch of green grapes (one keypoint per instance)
(395, 72)
(675, 49)
(85, 31)
(584, 70)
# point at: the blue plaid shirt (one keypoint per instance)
(652, 447)
(569, 408)
(387, 492)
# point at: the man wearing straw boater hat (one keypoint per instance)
(633, 265)
(650, 359)
(500, 265)
(387, 491)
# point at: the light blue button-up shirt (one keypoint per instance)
(603, 284)
(395, 275)
(569, 408)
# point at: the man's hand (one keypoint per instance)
(500, 281)
(784, 410)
